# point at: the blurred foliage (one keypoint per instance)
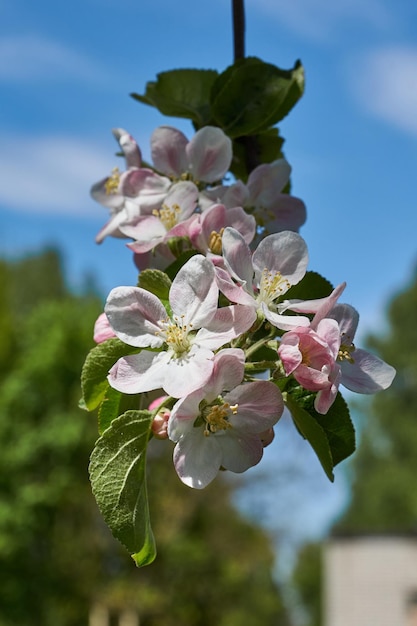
(306, 579)
(56, 555)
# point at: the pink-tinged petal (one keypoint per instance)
(231, 196)
(168, 151)
(102, 329)
(286, 213)
(138, 373)
(238, 256)
(232, 291)
(189, 372)
(111, 228)
(129, 147)
(260, 405)
(134, 314)
(266, 181)
(111, 200)
(285, 253)
(228, 323)
(348, 320)
(158, 259)
(212, 220)
(320, 306)
(194, 292)
(312, 379)
(241, 221)
(183, 415)
(228, 372)
(144, 228)
(240, 451)
(367, 374)
(328, 330)
(290, 353)
(183, 195)
(197, 459)
(284, 322)
(148, 188)
(327, 396)
(209, 154)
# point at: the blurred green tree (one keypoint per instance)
(56, 556)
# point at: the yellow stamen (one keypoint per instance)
(215, 241)
(176, 335)
(272, 285)
(168, 215)
(112, 183)
(217, 417)
(345, 353)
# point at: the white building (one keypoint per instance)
(370, 580)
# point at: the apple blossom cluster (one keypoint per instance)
(226, 326)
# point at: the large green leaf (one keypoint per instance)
(312, 286)
(314, 433)
(181, 93)
(118, 478)
(250, 96)
(99, 360)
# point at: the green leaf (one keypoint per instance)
(338, 427)
(181, 93)
(109, 409)
(312, 286)
(118, 479)
(250, 96)
(156, 282)
(313, 433)
(99, 360)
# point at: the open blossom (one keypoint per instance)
(361, 371)
(206, 158)
(261, 278)
(182, 357)
(310, 356)
(170, 220)
(223, 424)
(324, 356)
(108, 191)
(275, 211)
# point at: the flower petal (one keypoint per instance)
(194, 292)
(168, 151)
(134, 314)
(367, 374)
(228, 323)
(138, 373)
(240, 452)
(260, 405)
(284, 252)
(209, 154)
(197, 459)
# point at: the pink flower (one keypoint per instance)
(222, 424)
(261, 279)
(310, 356)
(183, 341)
(108, 191)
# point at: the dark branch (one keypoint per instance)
(239, 28)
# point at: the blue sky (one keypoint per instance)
(66, 70)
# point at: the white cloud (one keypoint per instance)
(318, 19)
(32, 58)
(384, 82)
(51, 174)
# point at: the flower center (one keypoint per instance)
(176, 335)
(112, 183)
(345, 353)
(272, 285)
(216, 417)
(215, 241)
(168, 215)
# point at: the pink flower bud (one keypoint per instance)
(102, 329)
